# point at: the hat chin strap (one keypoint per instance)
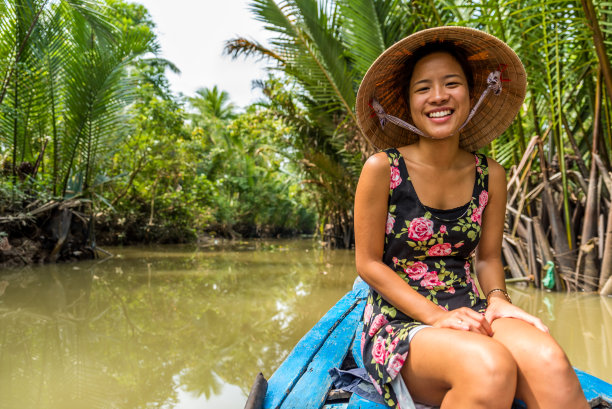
(493, 84)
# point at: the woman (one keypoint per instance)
(423, 208)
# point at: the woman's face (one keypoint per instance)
(439, 95)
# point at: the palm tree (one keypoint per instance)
(314, 45)
(65, 80)
(213, 103)
(326, 47)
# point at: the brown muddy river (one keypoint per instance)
(182, 327)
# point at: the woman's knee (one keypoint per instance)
(496, 367)
(543, 354)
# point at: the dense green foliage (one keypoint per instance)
(326, 46)
(86, 112)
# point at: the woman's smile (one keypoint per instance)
(439, 95)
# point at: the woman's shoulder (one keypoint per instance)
(497, 177)
(496, 171)
(376, 168)
(377, 162)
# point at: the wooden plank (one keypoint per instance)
(356, 349)
(357, 402)
(594, 387)
(311, 390)
(292, 368)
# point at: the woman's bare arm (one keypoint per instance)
(489, 265)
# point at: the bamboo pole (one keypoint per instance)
(564, 256)
(604, 173)
(579, 161)
(605, 277)
(515, 269)
(589, 272)
(531, 249)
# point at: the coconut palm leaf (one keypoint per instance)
(369, 27)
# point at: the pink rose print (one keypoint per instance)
(477, 159)
(367, 314)
(395, 261)
(378, 323)
(442, 249)
(393, 345)
(451, 290)
(483, 199)
(389, 329)
(376, 385)
(474, 288)
(458, 245)
(420, 229)
(470, 280)
(476, 215)
(390, 223)
(417, 270)
(431, 281)
(379, 352)
(395, 162)
(395, 364)
(363, 340)
(442, 229)
(395, 177)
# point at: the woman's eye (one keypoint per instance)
(422, 89)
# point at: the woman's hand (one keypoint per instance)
(464, 319)
(500, 308)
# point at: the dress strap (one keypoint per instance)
(482, 177)
(392, 155)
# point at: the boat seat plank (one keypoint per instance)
(292, 368)
(316, 381)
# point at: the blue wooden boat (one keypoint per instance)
(303, 381)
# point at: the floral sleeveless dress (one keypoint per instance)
(431, 250)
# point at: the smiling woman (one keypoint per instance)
(423, 208)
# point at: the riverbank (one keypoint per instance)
(56, 231)
(64, 231)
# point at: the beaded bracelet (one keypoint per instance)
(501, 291)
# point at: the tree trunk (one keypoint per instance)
(600, 46)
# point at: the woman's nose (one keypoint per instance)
(438, 94)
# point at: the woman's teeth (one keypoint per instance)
(439, 114)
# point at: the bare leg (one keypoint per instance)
(545, 376)
(459, 369)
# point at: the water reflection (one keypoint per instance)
(178, 327)
(582, 323)
(155, 326)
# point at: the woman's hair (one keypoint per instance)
(456, 52)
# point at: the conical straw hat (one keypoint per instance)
(485, 53)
